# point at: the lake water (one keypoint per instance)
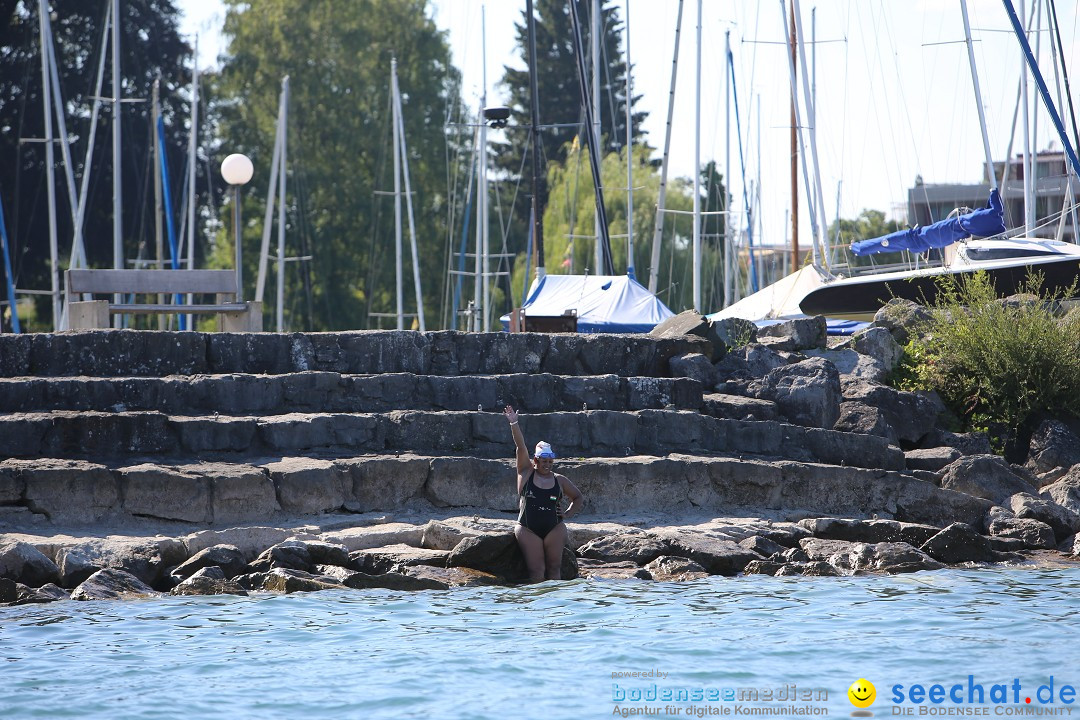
(557, 650)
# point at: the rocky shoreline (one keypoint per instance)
(139, 463)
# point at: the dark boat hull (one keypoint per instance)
(861, 297)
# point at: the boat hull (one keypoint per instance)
(861, 297)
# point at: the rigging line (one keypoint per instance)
(1064, 71)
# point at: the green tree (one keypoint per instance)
(337, 54)
(558, 90)
(150, 48)
(868, 225)
(569, 218)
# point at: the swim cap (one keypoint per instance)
(543, 450)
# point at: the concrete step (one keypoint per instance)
(56, 492)
(148, 353)
(244, 394)
(593, 433)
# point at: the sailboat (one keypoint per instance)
(965, 243)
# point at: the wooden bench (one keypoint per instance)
(233, 316)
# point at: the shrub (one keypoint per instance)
(994, 362)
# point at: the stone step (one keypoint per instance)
(53, 492)
(592, 433)
(243, 394)
(149, 353)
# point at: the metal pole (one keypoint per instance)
(794, 155)
(118, 186)
(534, 108)
(482, 195)
(50, 177)
(409, 208)
(978, 95)
(658, 224)
(397, 194)
(284, 131)
(726, 241)
(193, 141)
(159, 249)
(697, 171)
(597, 33)
(629, 157)
(238, 238)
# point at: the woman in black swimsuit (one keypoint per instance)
(541, 532)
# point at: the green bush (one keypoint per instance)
(997, 363)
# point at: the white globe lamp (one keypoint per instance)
(236, 170)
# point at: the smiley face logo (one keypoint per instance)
(862, 693)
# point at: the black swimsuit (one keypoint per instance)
(540, 507)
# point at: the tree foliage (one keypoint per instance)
(337, 54)
(558, 88)
(150, 48)
(569, 226)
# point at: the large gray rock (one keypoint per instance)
(208, 581)
(112, 584)
(500, 555)
(869, 531)
(226, 558)
(148, 559)
(1053, 445)
(163, 492)
(851, 364)
(931, 459)
(1065, 522)
(911, 415)
(300, 555)
(973, 443)
(958, 543)
(858, 417)
(24, 563)
(1034, 534)
(879, 344)
(985, 476)
(638, 548)
(69, 491)
(902, 318)
(807, 392)
(886, 557)
(286, 580)
(1066, 491)
(717, 556)
(694, 366)
(394, 558)
(737, 407)
(11, 485)
(797, 334)
(309, 485)
(675, 569)
(389, 581)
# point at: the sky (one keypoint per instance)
(893, 93)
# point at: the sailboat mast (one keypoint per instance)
(629, 157)
(728, 245)
(284, 132)
(794, 155)
(658, 225)
(696, 255)
(397, 194)
(978, 96)
(50, 177)
(117, 174)
(534, 111)
(484, 248)
(598, 251)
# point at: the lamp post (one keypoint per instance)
(237, 170)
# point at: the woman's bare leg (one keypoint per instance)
(554, 542)
(532, 547)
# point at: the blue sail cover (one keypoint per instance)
(985, 222)
(604, 303)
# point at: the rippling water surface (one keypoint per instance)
(543, 651)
